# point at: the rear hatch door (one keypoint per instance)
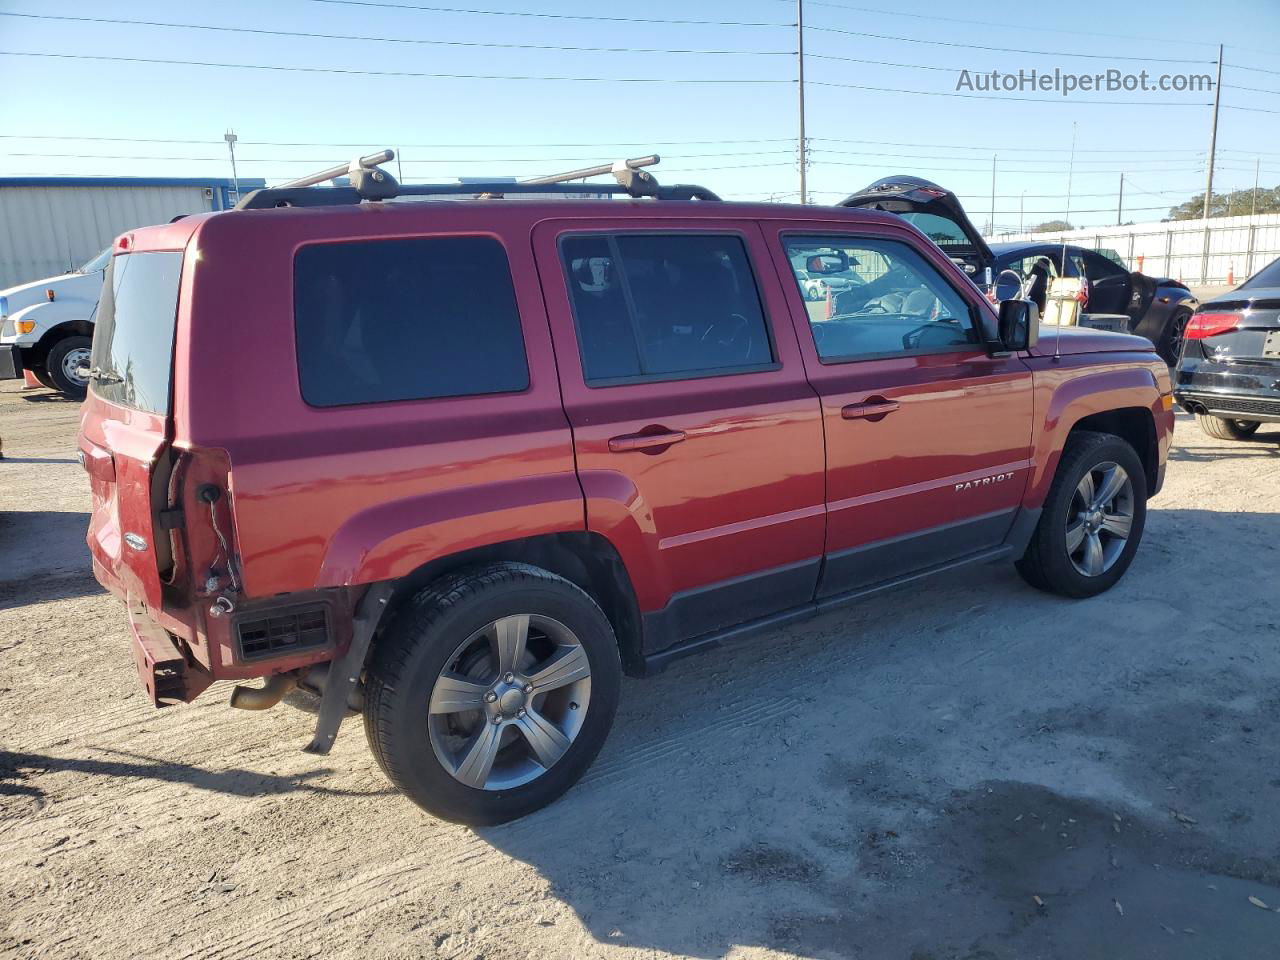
(936, 212)
(1243, 326)
(125, 423)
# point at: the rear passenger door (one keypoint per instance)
(698, 438)
(928, 437)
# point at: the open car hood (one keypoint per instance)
(912, 195)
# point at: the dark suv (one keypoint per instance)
(460, 464)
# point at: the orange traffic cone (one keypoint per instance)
(1231, 275)
(831, 304)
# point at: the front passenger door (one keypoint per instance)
(928, 437)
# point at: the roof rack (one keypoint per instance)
(369, 182)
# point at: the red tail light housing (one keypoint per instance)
(1204, 325)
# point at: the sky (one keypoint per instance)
(723, 112)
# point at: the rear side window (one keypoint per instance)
(414, 319)
(650, 306)
(132, 357)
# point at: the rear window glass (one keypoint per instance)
(132, 357)
(1268, 276)
(386, 320)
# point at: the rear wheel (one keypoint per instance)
(63, 363)
(1171, 347)
(492, 693)
(1220, 428)
(1092, 520)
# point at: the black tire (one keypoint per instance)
(54, 362)
(1220, 428)
(1047, 563)
(421, 641)
(1170, 346)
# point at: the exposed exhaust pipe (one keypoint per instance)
(266, 696)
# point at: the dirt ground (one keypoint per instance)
(901, 780)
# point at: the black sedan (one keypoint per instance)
(1157, 308)
(1229, 372)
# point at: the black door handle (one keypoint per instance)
(874, 409)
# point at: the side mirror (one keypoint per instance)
(1008, 286)
(1019, 324)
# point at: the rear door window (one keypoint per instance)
(132, 357)
(650, 306)
(409, 319)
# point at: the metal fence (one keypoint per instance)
(1203, 252)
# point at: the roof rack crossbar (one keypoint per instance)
(341, 170)
(370, 183)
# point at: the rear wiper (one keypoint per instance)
(102, 376)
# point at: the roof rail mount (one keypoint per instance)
(369, 182)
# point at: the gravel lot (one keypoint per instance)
(899, 780)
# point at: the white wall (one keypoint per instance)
(1182, 249)
(47, 230)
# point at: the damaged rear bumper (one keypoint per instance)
(167, 674)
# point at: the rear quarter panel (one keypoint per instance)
(348, 495)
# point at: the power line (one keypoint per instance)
(976, 46)
(997, 96)
(990, 23)
(1055, 160)
(445, 160)
(551, 16)
(403, 40)
(1236, 86)
(1003, 149)
(365, 145)
(389, 73)
(1236, 106)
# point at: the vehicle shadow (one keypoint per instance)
(16, 770)
(36, 460)
(50, 396)
(906, 777)
(37, 544)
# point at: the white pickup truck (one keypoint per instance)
(46, 326)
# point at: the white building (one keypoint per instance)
(49, 225)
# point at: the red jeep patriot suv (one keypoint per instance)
(458, 462)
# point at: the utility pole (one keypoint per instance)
(230, 137)
(1120, 203)
(803, 153)
(993, 195)
(1022, 218)
(1213, 136)
(1257, 168)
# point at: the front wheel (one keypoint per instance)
(63, 364)
(1092, 520)
(492, 693)
(1220, 428)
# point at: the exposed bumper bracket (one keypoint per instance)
(162, 668)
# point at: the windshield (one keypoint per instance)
(133, 337)
(98, 262)
(941, 230)
(1268, 276)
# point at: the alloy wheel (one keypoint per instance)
(509, 702)
(1100, 518)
